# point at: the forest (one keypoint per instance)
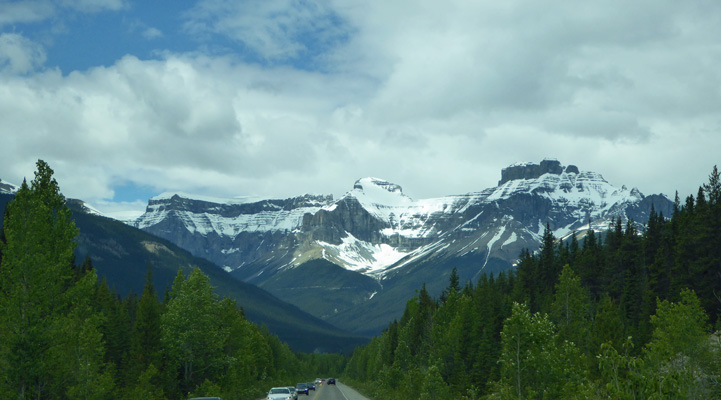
(626, 315)
(65, 335)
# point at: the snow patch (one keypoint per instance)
(361, 256)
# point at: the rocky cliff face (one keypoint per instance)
(533, 171)
(376, 231)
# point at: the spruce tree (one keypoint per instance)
(50, 333)
(146, 331)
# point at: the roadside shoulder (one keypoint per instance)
(349, 392)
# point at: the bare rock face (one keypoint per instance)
(375, 233)
(533, 171)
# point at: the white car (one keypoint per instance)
(279, 393)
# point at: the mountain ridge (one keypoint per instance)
(375, 230)
(121, 254)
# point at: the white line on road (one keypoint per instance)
(341, 392)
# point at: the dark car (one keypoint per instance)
(302, 388)
(331, 381)
(311, 385)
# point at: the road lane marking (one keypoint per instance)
(341, 392)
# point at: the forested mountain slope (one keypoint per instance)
(386, 244)
(121, 255)
(634, 315)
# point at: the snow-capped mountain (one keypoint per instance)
(7, 187)
(376, 231)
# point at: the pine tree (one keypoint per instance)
(590, 265)
(49, 330)
(607, 326)
(146, 331)
(713, 187)
(454, 285)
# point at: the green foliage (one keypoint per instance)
(535, 363)
(589, 330)
(145, 338)
(147, 386)
(571, 308)
(191, 332)
(680, 361)
(64, 335)
(52, 344)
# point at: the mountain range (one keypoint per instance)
(355, 261)
(121, 255)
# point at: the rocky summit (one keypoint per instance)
(354, 261)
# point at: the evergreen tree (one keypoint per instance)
(146, 331)
(191, 333)
(52, 346)
(590, 265)
(573, 249)
(247, 357)
(570, 309)
(607, 326)
(548, 270)
(454, 284)
(658, 255)
(713, 187)
(635, 301)
(526, 278)
(116, 328)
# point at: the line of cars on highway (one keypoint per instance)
(291, 392)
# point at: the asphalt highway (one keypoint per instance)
(338, 391)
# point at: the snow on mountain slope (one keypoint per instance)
(358, 255)
(376, 231)
(402, 215)
(375, 228)
(230, 217)
(7, 187)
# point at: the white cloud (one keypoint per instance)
(29, 11)
(12, 12)
(19, 54)
(273, 29)
(152, 33)
(437, 97)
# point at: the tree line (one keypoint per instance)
(628, 315)
(64, 335)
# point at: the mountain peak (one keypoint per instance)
(374, 191)
(529, 170)
(7, 187)
(369, 183)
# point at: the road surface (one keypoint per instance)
(338, 391)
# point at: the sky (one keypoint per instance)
(129, 99)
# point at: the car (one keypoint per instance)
(302, 388)
(331, 381)
(206, 398)
(318, 381)
(311, 385)
(293, 392)
(279, 393)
